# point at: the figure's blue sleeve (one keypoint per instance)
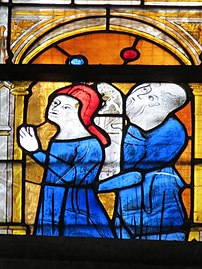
(120, 181)
(71, 162)
(67, 176)
(39, 156)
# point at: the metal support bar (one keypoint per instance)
(107, 73)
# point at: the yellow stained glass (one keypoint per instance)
(173, 2)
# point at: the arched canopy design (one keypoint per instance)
(162, 31)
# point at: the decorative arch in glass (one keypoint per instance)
(127, 199)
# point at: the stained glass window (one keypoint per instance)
(104, 156)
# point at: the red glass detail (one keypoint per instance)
(130, 54)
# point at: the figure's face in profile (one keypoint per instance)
(149, 104)
(62, 109)
(140, 99)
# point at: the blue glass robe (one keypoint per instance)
(150, 208)
(68, 204)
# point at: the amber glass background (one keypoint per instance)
(105, 48)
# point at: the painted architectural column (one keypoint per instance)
(11, 188)
(6, 153)
(6, 131)
(11, 116)
(3, 34)
(19, 90)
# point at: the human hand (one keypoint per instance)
(28, 139)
